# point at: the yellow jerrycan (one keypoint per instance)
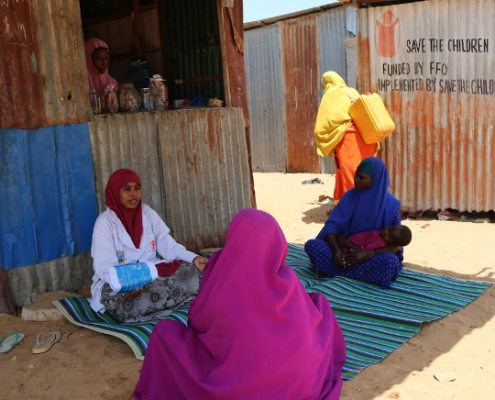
(372, 118)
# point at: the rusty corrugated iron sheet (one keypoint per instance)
(21, 98)
(43, 78)
(128, 141)
(432, 62)
(266, 60)
(266, 99)
(232, 35)
(68, 273)
(205, 172)
(61, 61)
(193, 164)
(299, 38)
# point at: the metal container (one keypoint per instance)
(95, 100)
(146, 100)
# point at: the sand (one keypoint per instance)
(89, 365)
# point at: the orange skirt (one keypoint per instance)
(348, 154)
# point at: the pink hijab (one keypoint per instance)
(96, 80)
(254, 332)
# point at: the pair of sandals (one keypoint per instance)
(44, 342)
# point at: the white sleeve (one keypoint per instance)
(103, 248)
(167, 247)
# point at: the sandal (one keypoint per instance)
(45, 341)
(8, 342)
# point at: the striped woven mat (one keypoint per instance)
(374, 321)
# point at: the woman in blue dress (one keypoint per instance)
(367, 207)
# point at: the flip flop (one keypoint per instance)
(45, 341)
(8, 342)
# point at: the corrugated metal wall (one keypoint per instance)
(127, 141)
(301, 76)
(332, 32)
(305, 58)
(61, 61)
(69, 274)
(193, 165)
(48, 205)
(266, 99)
(43, 78)
(443, 151)
(21, 98)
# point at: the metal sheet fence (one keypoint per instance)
(68, 273)
(193, 165)
(48, 203)
(266, 99)
(284, 106)
(432, 62)
(43, 78)
(62, 61)
(21, 98)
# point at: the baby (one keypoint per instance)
(390, 236)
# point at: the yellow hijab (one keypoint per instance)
(333, 117)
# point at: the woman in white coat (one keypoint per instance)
(131, 233)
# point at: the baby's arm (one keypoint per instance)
(388, 249)
(345, 243)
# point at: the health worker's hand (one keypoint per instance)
(132, 295)
(200, 263)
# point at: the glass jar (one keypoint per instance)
(128, 98)
(146, 100)
(159, 92)
(109, 100)
(95, 100)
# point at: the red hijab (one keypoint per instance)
(132, 219)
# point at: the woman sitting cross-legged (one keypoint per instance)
(253, 330)
(367, 207)
(126, 240)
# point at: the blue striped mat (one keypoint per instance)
(374, 321)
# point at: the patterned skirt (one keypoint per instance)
(157, 299)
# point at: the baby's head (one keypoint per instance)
(396, 235)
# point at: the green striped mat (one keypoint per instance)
(374, 321)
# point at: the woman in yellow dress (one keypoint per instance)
(336, 134)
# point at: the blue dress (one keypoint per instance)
(380, 270)
(360, 211)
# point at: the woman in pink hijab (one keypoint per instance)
(97, 64)
(254, 332)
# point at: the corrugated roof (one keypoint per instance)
(269, 21)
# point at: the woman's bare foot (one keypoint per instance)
(320, 274)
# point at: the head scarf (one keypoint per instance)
(254, 332)
(333, 117)
(132, 219)
(366, 210)
(96, 80)
(333, 79)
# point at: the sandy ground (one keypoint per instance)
(89, 365)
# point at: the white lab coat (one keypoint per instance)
(111, 242)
